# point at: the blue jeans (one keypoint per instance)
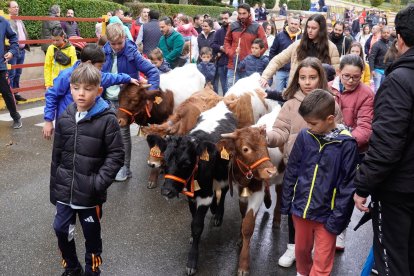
(281, 79)
(14, 74)
(230, 76)
(378, 79)
(222, 77)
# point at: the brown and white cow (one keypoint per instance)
(249, 168)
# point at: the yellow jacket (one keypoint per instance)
(52, 68)
(366, 75)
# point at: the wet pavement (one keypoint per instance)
(143, 234)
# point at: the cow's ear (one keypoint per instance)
(151, 94)
(225, 148)
(206, 150)
(153, 139)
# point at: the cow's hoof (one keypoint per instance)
(218, 220)
(152, 185)
(191, 240)
(241, 272)
(191, 271)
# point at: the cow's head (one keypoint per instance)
(135, 100)
(157, 146)
(247, 147)
(182, 157)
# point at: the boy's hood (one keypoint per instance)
(340, 133)
(98, 108)
(115, 19)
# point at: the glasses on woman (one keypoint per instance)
(348, 77)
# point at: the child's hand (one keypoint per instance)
(263, 82)
(360, 203)
(134, 81)
(48, 130)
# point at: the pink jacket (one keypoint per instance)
(357, 110)
(187, 30)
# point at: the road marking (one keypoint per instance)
(25, 113)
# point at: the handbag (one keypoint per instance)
(61, 57)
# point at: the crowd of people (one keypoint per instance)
(340, 146)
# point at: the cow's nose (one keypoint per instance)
(151, 165)
(271, 171)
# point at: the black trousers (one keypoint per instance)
(64, 226)
(393, 224)
(8, 96)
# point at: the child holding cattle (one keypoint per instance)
(58, 97)
(87, 153)
(308, 76)
(318, 184)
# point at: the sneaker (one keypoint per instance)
(123, 174)
(17, 123)
(73, 272)
(288, 258)
(340, 242)
(374, 269)
(19, 98)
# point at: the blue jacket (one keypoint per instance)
(131, 62)
(281, 42)
(7, 32)
(217, 42)
(208, 70)
(319, 180)
(58, 97)
(252, 64)
(164, 68)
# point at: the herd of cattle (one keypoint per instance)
(207, 145)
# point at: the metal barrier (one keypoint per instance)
(104, 18)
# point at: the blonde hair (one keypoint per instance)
(87, 74)
(115, 31)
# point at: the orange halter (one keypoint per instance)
(131, 115)
(249, 169)
(184, 182)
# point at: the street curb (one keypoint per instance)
(32, 100)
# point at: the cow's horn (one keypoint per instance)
(145, 85)
(229, 135)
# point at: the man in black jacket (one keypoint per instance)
(376, 57)
(387, 172)
(342, 42)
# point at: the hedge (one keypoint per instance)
(190, 2)
(171, 9)
(295, 5)
(82, 8)
(269, 3)
(306, 5)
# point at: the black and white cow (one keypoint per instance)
(194, 166)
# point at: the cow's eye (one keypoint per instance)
(245, 149)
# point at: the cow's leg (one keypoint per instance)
(243, 208)
(276, 213)
(247, 232)
(218, 217)
(267, 198)
(153, 178)
(197, 226)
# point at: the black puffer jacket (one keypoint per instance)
(86, 156)
(389, 163)
(377, 54)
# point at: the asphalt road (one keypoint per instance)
(143, 234)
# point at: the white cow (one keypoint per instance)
(182, 81)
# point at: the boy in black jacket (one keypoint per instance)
(206, 67)
(87, 153)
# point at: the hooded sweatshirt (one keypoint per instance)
(115, 19)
